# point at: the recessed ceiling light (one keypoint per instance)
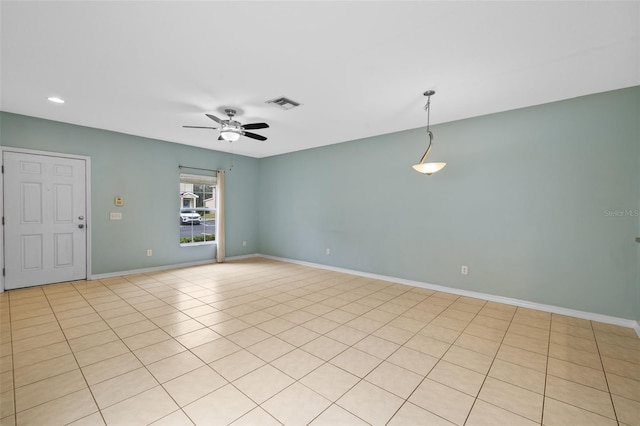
(56, 100)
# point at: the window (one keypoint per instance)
(197, 209)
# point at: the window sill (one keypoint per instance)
(202, 243)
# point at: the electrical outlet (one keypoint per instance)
(328, 252)
(149, 252)
(464, 270)
(244, 244)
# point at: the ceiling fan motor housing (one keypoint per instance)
(231, 130)
(231, 126)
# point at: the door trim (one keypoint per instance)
(89, 226)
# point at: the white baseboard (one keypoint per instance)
(243, 256)
(164, 267)
(146, 270)
(489, 297)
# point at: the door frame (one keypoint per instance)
(87, 177)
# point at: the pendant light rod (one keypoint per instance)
(422, 167)
(428, 94)
(426, 153)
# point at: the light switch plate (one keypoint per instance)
(118, 201)
(115, 216)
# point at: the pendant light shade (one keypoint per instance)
(422, 167)
(428, 168)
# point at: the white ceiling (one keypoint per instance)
(359, 68)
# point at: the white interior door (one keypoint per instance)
(45, 219)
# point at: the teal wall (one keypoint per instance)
(529, 200)
(145, 173)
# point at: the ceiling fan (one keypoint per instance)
(231, 130)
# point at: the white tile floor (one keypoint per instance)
(261, 342)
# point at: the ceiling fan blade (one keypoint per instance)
(254, 136)
(214, 118)
(199, 127)
(253, 126)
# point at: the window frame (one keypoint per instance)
(193, 187)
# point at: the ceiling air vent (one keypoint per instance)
(284, 103)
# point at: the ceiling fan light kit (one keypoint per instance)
(422, 167)
(229, 134)
(231, 130)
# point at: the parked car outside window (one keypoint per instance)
(189, 216)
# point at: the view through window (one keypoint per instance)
(197, 215)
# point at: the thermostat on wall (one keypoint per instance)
(118, 201)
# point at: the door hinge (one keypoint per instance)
(3, 272)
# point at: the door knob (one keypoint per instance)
(81, 226)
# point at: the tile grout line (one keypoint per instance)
(110, 328)
(360, 380)
(324, 361)
(475, 399)
(181, 409)
(604, 373)
(205, 363)
(345, 324)
(44, 294)
(140, 361)
(546, 370)
(73, 352)
(13, 365)
(284, 285)
(582, 384)
(170, 338)
(352, 346)
(208, 365)
(129, 304)
(526, 350)
(328, 361)
(15, 399)
(189, 350)
(434, 365)
(327, 332)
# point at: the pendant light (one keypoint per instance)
(422, 167)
